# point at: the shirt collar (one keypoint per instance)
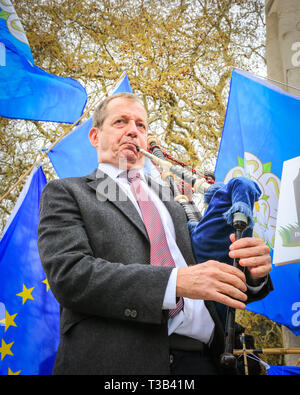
(114, 172)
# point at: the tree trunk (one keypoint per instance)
(283, 65)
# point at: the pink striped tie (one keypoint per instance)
(159, 249)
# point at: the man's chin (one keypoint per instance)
(129, 159)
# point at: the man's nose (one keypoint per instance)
(132, 128)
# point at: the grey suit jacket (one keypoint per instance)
(95, 252)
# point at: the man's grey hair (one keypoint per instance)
(100, 111)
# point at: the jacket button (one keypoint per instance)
(133, 313)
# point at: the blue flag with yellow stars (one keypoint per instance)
(26, 91)
(261, 131)
(29, 314)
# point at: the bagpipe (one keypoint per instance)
(229, 209)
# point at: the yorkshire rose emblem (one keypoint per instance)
(265, 210)
(7, 12)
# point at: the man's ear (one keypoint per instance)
(93, 137)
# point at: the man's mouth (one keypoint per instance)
(130, 146)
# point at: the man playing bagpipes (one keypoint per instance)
(118, 258)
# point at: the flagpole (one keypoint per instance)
(36, 163)
(270, 79)
(275, 351)
(278, 82)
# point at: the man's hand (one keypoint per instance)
(213, 280)
(253, 254)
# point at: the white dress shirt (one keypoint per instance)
(194, 319)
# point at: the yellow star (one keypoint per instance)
(11, 373)
(47, 284)
(26, 294)
(5, 349)
(9, 320)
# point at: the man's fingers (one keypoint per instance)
(246, 242)
(248, 247)
(227, 272)
(256, 261)
(260, 271)
(249, 252)
(213, 280)
(232, 292)
(235, 279)
(227, 294)
(224, 299)
(252, 253)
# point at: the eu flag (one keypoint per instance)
(29, 314)
(26, 91)
(261, 131)
(74, 156)
(274, 370)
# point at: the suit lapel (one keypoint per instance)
(108, 190)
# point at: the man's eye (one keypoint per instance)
(119, 122)
(141, 125)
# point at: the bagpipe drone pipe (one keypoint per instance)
(229, 210)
